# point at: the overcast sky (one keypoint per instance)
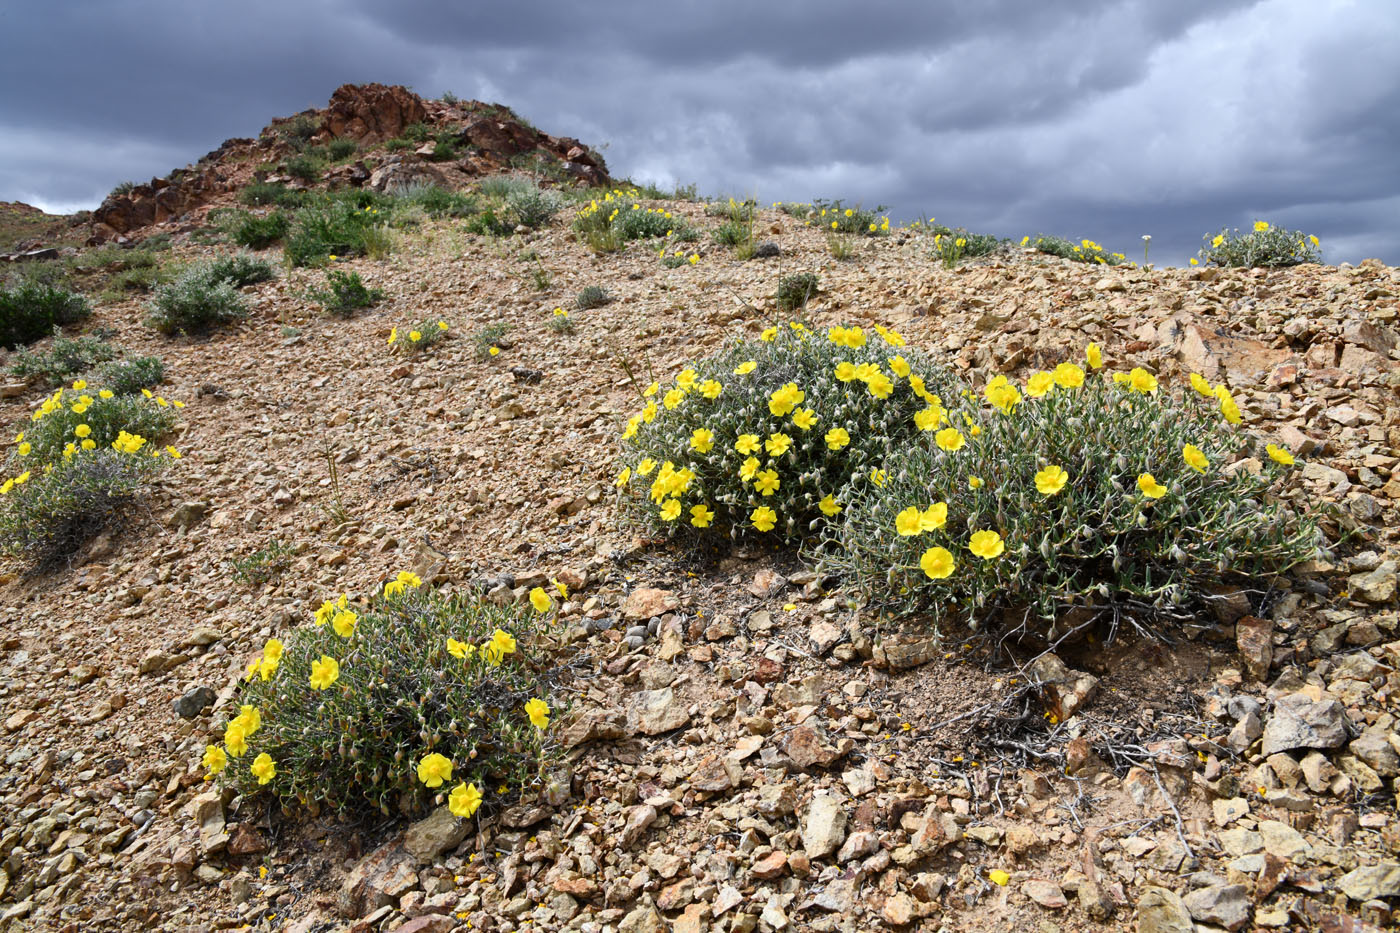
(1106, 119)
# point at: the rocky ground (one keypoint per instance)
(744, 750)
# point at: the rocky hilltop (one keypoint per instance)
(739, 748)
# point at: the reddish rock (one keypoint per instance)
(1255, 639)
(246, 841)
(648, 602)
(770, 866)
(372, 112)
(429, 923)
(378, 880)
(807, 750)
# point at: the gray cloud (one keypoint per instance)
(1110, 119)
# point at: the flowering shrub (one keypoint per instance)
(765, 438)
(396, 701)
(1074, 490)
(1083, 251)
(80, 418)
(834, 215)
(953, 246)
(31, 310)
(1265, 245)
(340, 228)
(610, 223)
(419, 337)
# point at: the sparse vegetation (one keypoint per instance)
(591, 296)
(259, 232)
(264, 565)
(32, 310)
(130, 376)
(345, 294)
(1083, 251)
(340, 228)
(794, 291)
(1266, 246)
(65, 358)
(489, 339)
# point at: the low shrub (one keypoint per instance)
(1076, 491)
(257, 232)
(340, 228)
(560, 322)
(297, 131)
(1265, 246)
(341, 149)
(130, 376)
(85, 418)
(46, 516)
(606, 225)
(239, 270)
(532, 207)
(265, 194)
(345, 294)
(437, 201)
(488, 223)
(1083, 251)
(394, 703)
(487, 341)
(195, 303)
(956, 245)
(733, 232)
(764, 438)
(591, 296)
(794, 291)
(418, 337)
(263, 565)
(305, 168)
(834, 215)
(65, 358)
(32, 310)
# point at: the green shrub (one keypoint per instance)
(733, 232)
(194, 303)
(608, 224)
(399, 694)
(436, 201)
(32, 310)
(130, 376)
(121, 188)
(263, 565)
(50, 515)
(796, 209)
(591, 296)
(956, 245)
(297, 131)
(239, 269)
(443, 151)
(345, 293)
(532, 207)
(502, 187)
(841, 246)
(1083, 251)
(1265, 246)
(731, 427)
(488, 224)
(488, 338)
(64, 359)
(265, 194)
(306, 168)
(1129, 523)
(59, 427)
(340, 228)
(794, 291)
(256, 232)
(398, 144)
(417, 132)
(341, 149)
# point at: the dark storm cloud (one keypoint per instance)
(1108, 119)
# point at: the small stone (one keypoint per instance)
(898, 910)
(194, 701)
(1254, 638)
(1161, 911)
(824, 827)
(428, 838)
(1371, 882)
(638, 819)
(1047, 894)
(1299, 721)
(652, 712)
(1378, 586)
(246, 841)
(1283, 841)
(1373, 747)
(646, 603)
(1228, 810)
(770, 866)
(1225, 905)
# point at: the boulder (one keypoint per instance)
(1299, 721)
(372, 112)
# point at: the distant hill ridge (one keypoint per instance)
(399, 138)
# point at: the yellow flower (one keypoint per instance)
(324, 672)
(998, 877)
(344, 622)
(1039, 383)
(686, 379)
(1051, 480)
(700, 516)
(267, 667)
(1228, 408)
(950, 439)
(878, 476)
(502, 643)
(937, 563)
(273, 649)
(829, 506)
(1068, 376)
(107, 393)
(782, 401)
(1201, 385)
(777, 444)
(460, 649)
(1260, 226)
(464, 800)
(651, 390)
(763, 518)
(837, 438)
(174, 454)
(1150, 487)
(1279, 454)
(263, 768)
(670, 510)
(934, 517)
(236, 739)
(249, 719)
(540, 599)
(414, 336)
(1195, 458)
(746, 367)
(1194, 262)
(1219, 238)
(1140, 380)
(442, 325)
(899, 366)
(646, 466)
(1094, 356)
(880, 385)
(986, 544)
(1313, 240)
(804, 418)
(673, 398)
(493, 351)
(214, 759)
(845, 371)
(701, 440)
(711, 389)
(694, 258)
(767, 482)
(24, 449)
(623, 477)
(433, 769)
(769, 334)
(393, 335)
(748, 468)
(909, 522)
(538, 711)
(79, 385)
